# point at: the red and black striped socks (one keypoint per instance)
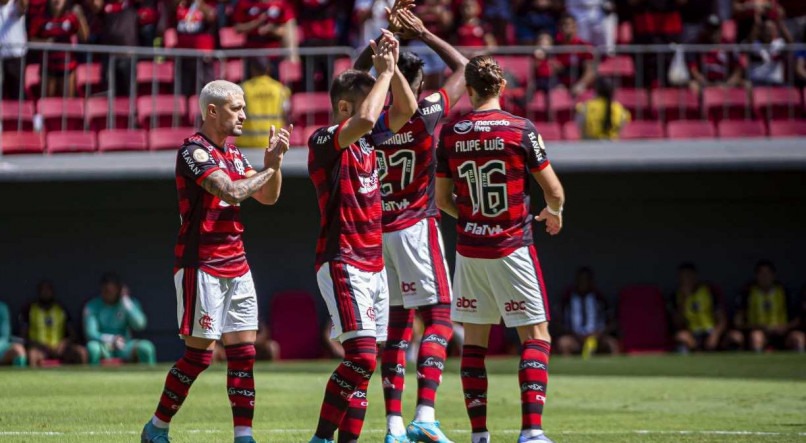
(241, 386)
(393, 364)
(178, 382)
(352, 373)
(474, 385)
(533, 376)
(431, 359)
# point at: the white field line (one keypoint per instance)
(380, 431)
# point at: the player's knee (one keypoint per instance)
(146, 352)
(363, 362)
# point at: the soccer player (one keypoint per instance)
(109, 321)
(412, 243)
(349, 256)
(10, 352)
(486, 157)
(214, 290)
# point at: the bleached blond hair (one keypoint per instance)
(217, 92)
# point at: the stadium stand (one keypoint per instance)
(741, 129)
(22, 143)
(688, 129)
(160, 139)
(122, 140)
(642, 130)
(60, 114)
(60, 142)
(99, 110)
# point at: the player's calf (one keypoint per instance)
(393, 369)
(241, 387)
(474, 385)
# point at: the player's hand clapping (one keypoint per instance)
(395, 25)
(554, 223)
(409, 25)
(385, 53)
(279, 143)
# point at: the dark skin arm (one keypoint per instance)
(364, 60)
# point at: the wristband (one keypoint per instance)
(557, 213)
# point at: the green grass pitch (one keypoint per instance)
(699, 398)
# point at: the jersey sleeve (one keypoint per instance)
(532, 144)
(443, 167)
(432, 108)
(323, 143)
(195, 162)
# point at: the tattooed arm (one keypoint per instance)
(233, 192)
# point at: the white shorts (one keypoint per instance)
(208, 306)
(415, 266)
(512, 287)
(358, 301)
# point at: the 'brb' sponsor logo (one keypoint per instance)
(514, 306)
(466, 303)
(408, 288)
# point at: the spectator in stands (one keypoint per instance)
(13, 40)
(764, 313)
(45, 325)
(498, 14)
(267, 102)
(546, 65)
(268, 24)
(748, 13)
(147, 18)
(317, 22)
(699, 314)
(472, 32)
(533, 17)
(719, 67)
(767, 57)
(655, 22)
(576, 68)
(597, 21)
(195, 29)
(586, 319)
(109, 321)
(60, 25)
(369, 17)
(602, 118)
(115, 23)
(696, 16)
(11, 352)
(437, 17)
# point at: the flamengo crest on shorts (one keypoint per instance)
(208, 306)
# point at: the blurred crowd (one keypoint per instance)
(482, 24)
(764, 316)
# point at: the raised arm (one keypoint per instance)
(370, 110)
(404, 104)
(269, 193)
(364, 60)
(455, 84)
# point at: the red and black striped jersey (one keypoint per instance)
(346, 182)
(59, 29)
(407, 164)
(210, 234)
(490, 156)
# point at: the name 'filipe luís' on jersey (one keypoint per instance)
(346, 182)
(490, 156)
(210, 234)
(406, 165)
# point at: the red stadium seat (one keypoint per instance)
(741, 129)
(160, 111)
(642, 130)
(729, 31)
(636, 101)
(150, 73)
(536, 108)
(230, 38)
(88, 78)
(518, 66)
(310, 108)
(22, 143)
(122, 140)
(194, 112)
(17, 115)
(98, 110)
(71, 141)
(160, 139)
(298, 139)
(788, 128)
(686, 129)
(33, 80)
(776, 103)
(624, 33)
(294, 324)
(170, 39)
(642, 318)
(60, 114)
(620, 67)
(549, 131)
(341, 64)
(725, 103)
(571, 131)
(675, 104)
(290, 72)
(231, 70)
